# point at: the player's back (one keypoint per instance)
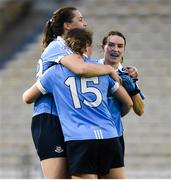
(81, 103)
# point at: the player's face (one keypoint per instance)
(114, 49)
(78, 21)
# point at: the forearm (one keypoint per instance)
(76, 64)
(125, 110)
(138, 104)
(122, 95)
(126, 101)
(31, 94)
(91, 70)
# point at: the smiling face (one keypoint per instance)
(114, 50)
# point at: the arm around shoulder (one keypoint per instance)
(75, 63)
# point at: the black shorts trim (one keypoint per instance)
(94, 156)
(47, 136)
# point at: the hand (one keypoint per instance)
(116, 77)
(132, 71)
(130, 85)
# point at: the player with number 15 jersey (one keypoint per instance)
(81, 103)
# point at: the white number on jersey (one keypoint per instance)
(71, 82)
(39, 71)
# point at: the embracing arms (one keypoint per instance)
(76, 64)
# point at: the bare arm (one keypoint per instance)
(138, 104)
(122, 95)
(31, 94)
(76, 64)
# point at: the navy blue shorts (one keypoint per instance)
(47, 136)
(121, 139)
(95, 156)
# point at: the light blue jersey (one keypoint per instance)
(115, 108)
(54, 52)
(81, 103)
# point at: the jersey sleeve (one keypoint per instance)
(44, 84)
(65, 51)
(113, 85)
(52, 55)
(58, 53)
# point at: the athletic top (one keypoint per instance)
(115, 107)
(115, 110)
(52, 55)
(81, 103)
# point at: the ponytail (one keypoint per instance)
(54, 26)
(48, 34)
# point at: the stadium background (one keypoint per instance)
(147, 26)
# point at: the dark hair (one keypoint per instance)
(78, 40)
(54, 26)
(113, 33)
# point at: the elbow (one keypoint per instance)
(26, 99)
(140, 113)
(82, 71)
(130, 104)
(138, 109)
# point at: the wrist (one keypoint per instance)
(134, 92)
(110, 69)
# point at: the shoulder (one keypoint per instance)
(52, 69)
(56, 43)
(92, 60)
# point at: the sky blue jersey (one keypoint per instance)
(115, 107)
(81, 103)
(115, 110)
(54, 52)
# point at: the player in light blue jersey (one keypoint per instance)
(113, 45)
(46, 131)
(92, 144)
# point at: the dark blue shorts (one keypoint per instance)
(47, 136)
(121, 139)
(94, 156)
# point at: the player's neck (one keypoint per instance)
(114, 65)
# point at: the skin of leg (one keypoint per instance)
(85, 176)
(55, 168)
(115, 173)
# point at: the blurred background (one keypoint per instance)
(147, 27)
